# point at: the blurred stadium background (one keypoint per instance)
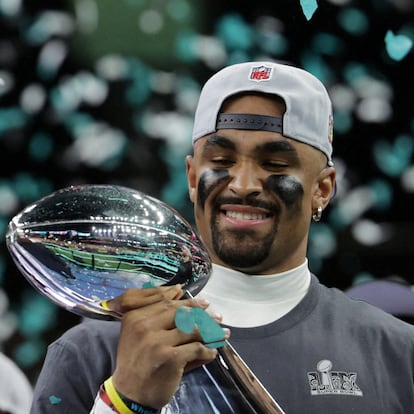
(103, 91)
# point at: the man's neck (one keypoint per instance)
(254, 300)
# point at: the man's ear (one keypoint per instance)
(191, 177)
(325, 188)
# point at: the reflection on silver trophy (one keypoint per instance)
(86, 244)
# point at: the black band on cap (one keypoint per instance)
(249, 121)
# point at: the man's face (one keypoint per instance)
(254, 192)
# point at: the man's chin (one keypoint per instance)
(241, 250)
(242, 259)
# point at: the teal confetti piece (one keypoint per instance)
(235, 32)
(40, 146)
(149, 284)
(354, 21)
(397, 46)
(12, 118)
(308, 7)
(210, 330)
(383, 194)
(394, 158)
(187, 319)
(30, 352)
(184, 320)
(55, 400)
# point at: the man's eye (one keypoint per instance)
(222, 161)
(275, 165)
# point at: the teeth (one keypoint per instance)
(245, 216)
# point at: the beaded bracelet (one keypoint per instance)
(123, 404)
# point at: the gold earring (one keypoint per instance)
(317, 215)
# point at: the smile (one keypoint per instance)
(245, 216)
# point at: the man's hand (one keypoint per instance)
(152, 353)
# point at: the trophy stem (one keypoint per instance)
(236, 372)
(247, 383)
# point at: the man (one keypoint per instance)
(261, 170)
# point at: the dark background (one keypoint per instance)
(104, 92)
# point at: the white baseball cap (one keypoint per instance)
(308, 117)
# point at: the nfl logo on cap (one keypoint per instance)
(260, 73)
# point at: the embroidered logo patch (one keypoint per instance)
(324, 381)
(260, 73)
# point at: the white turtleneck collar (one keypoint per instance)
(254, 300)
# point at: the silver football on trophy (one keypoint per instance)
(85, 244)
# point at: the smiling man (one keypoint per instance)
(257, 188)
(261, 170)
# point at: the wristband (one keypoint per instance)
(135, 407)
(106, 400)
(115, 398)
(123, 404)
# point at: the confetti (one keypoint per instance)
(186, 319)
(309, 7)
(55, 400)
(67, 84)
(397, 46)
(394, 158)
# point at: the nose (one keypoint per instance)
(245, 179)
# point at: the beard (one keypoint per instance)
(240, 250)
